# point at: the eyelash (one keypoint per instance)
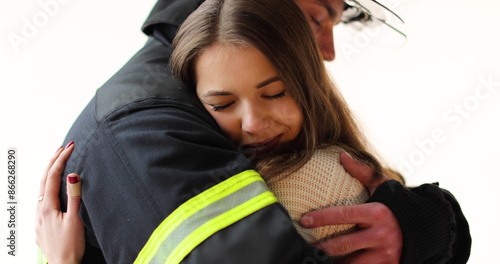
(316, 22)
(217, 108)
(276, 96)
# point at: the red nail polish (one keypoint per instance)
(70, 144)
(73, 179)
(59, 148)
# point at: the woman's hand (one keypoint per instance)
(60, 235)
(378, 239)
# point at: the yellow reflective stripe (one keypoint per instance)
(241, 194)
(187, 209)
(41, 257)
(222, 221)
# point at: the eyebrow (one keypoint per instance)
(216, 93)
(331, 12)
(267, 82)
(258, 86)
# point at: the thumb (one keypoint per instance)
(74, 191)
(361, 171)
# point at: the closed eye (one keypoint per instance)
(218, 108)
(276, 96)
(315, 21)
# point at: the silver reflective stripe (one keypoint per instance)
(204, 215)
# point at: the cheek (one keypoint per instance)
(229, 126)
(292, 117)
(225, 122)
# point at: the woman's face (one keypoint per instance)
(243, 92)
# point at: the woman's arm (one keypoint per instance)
(60, 235)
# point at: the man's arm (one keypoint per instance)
(434, 229)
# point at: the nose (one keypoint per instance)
(254, 120)
(325, 41)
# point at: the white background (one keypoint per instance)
(407, 97)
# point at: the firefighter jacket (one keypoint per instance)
(163, 185)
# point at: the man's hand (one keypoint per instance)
(378, 239)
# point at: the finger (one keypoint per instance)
(46, 172)
(356, 168)
(336, 215)
(347, 243)
(74, 191)
(52, 185)
(371, 256)
(359, 170)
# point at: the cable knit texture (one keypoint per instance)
(322, 182)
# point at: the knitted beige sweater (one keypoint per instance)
(321, 182)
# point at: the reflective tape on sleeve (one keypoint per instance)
(205, 214)
(41, 257)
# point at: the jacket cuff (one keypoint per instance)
(426, 219)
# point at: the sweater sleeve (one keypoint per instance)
(433, 225)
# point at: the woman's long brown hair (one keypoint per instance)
(279, 30)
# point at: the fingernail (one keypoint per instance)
(74, 187)
(307, 221)
(73, 179)
(59, 148)
(349, 155)
(70, 144)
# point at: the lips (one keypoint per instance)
(264, 146)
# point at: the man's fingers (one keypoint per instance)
(346, 244)
(368, 257)
(361, 171)
(52, 184)
(356, 168)
(370, 244)
(74, 190)
(337, 215)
